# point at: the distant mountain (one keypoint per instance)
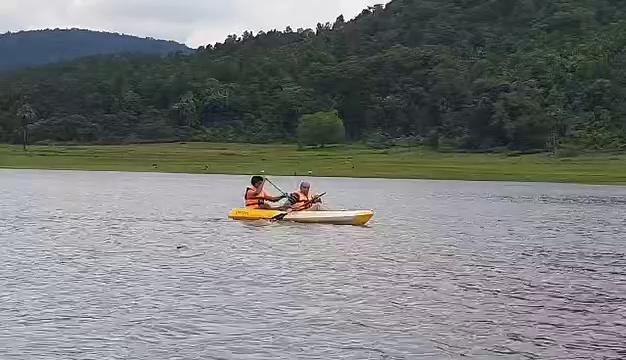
(33, 48)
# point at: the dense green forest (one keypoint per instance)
(33, 48)
(467, 74)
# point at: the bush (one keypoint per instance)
(433, 140)
(569, 151)
(321, 128)
(409, 141)
(378, 140)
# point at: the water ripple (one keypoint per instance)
(145, 266)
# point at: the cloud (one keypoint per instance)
(195, 22)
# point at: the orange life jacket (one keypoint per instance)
(254, 202)
(304, 202)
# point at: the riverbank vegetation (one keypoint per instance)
(345, 161)
(471, 75)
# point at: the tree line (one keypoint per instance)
(475, 75)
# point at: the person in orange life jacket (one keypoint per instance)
(256, 197)
(303, 199)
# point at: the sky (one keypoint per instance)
(193, 22)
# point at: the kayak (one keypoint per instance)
(338, 217)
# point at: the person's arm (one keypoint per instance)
(268, 197)
(275, 198)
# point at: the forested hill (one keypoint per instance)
(31, 48)
(480, 74)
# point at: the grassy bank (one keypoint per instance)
(348, 161)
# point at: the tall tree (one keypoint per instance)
(321, 128)
(27, 116)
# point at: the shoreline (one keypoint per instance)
(333, 162)
(272, 176)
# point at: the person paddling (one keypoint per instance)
(303, 199)
(256, 197)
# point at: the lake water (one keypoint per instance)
(146, 266)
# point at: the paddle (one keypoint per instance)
(275, 187)
(315, 198)
(281, 216)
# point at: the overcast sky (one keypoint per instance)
(194, 22)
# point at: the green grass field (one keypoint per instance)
(345, 161)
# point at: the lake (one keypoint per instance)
(146, 266)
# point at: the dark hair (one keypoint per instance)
(256, 180)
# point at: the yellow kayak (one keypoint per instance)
(339, 217)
